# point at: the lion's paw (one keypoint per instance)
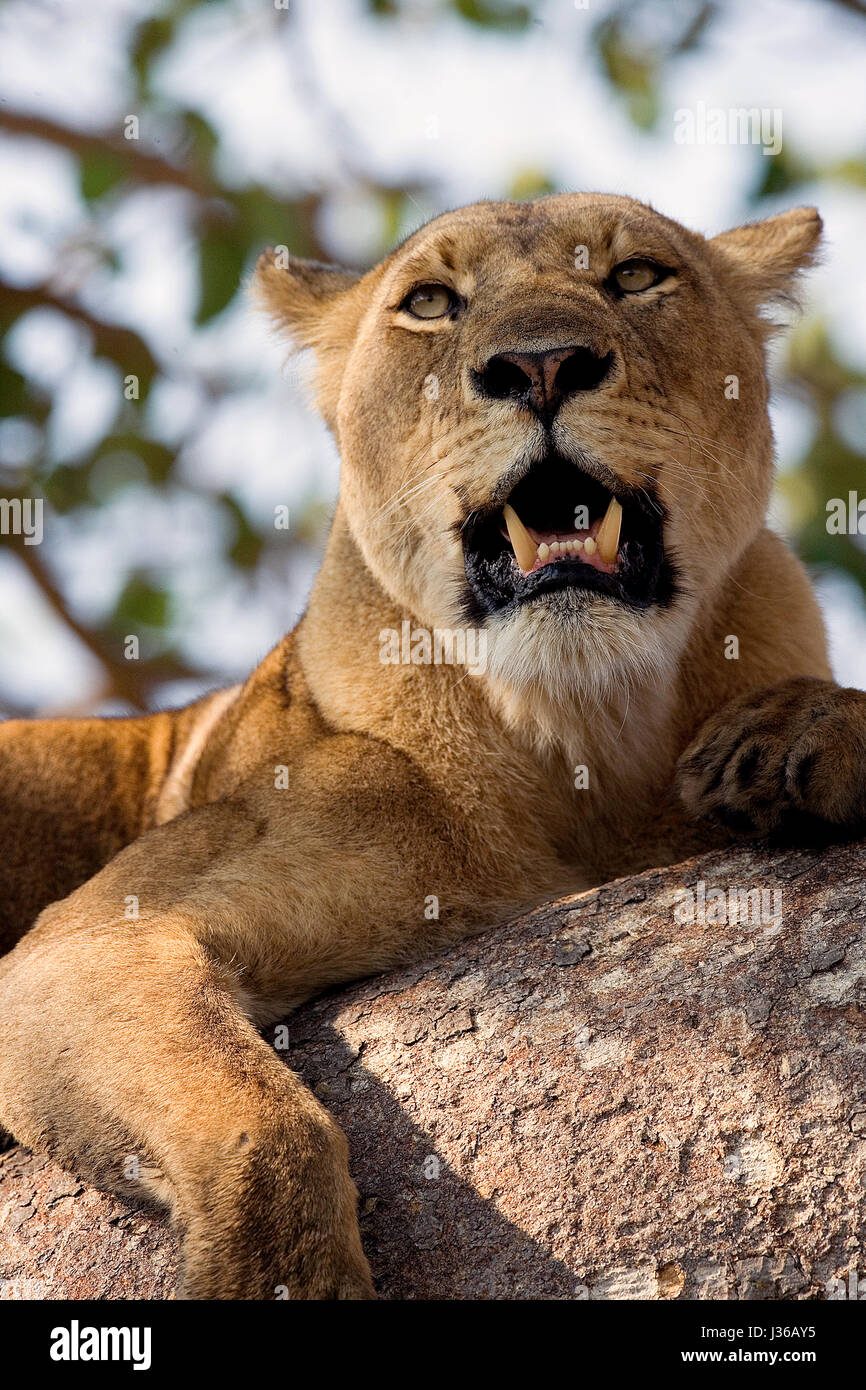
(795, 750)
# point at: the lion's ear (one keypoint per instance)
(301, 296)
(763, 260)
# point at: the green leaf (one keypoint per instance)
(781, 173)
(201, 141)
(247, 545)
(68, 486)
(14, 395)
(99, 172)
(530, 183)
(151, 39)
(851, 171)
(268, 221)
(631, 70)
(157, 459)
(221, 262)
(490, 14)
(141, 604)
(392, 202)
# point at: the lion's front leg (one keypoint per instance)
(128, 1056)
(767, 760)
(128, 1042)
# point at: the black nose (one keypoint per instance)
(542, 380)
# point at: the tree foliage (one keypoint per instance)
(229, 219)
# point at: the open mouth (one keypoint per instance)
(561, 528)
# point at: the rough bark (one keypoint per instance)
(597, 1100)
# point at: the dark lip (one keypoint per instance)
(645, 576)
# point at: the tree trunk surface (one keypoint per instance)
(602, 1099)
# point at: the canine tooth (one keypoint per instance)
(607, 539)
(590, 546)
(543, 550)
(522, 543)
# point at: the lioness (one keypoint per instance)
(553, 424)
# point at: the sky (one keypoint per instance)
(464, 108)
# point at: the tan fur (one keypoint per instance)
(190, 897)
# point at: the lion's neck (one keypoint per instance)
(627, 728)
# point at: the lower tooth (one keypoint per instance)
(543, 551)
(590, 546)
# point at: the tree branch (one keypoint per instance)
(126, 347)
(142, 165)
(602, 1100)
(132, 681)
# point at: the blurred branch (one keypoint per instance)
(125, 680)
(112, 340)
(225, 224)
(143, 166)
(336, 126)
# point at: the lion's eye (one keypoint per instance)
(429, 301)
(633, 276)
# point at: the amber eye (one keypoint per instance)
(633, 276)
(430, 301)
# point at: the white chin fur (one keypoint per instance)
(573, 645)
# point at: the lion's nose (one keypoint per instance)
(542, 380)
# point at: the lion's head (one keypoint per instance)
(553, 421)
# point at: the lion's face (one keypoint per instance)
(552, 418)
